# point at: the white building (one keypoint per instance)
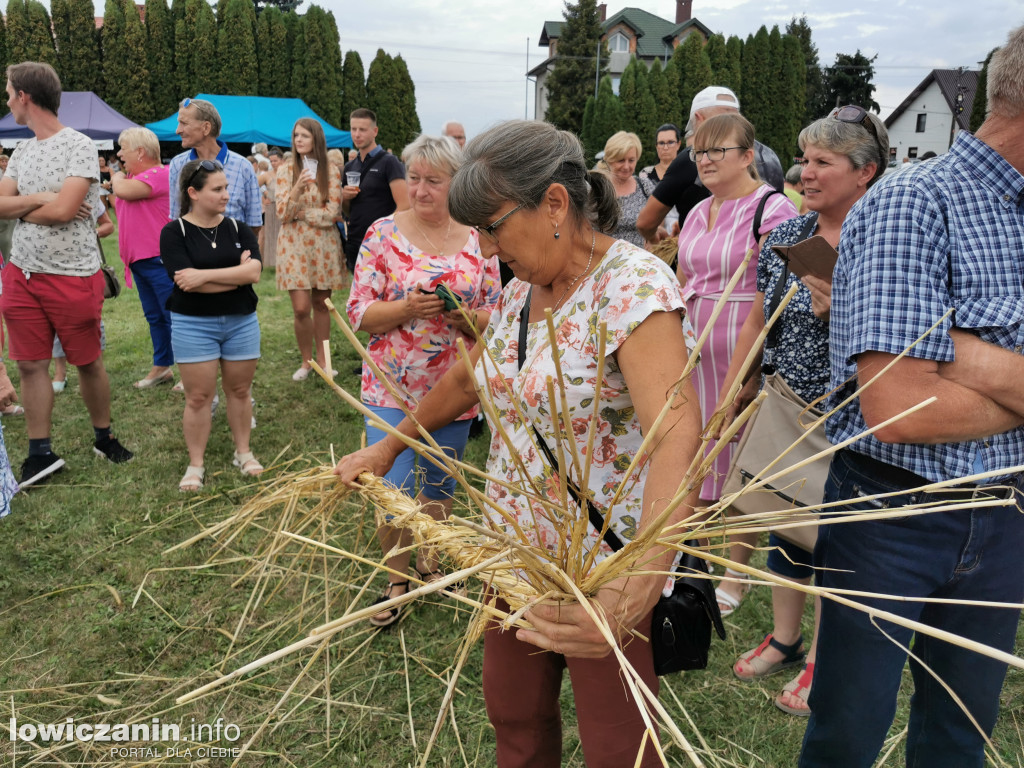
(930, 117)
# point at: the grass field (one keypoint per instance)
(98, 623)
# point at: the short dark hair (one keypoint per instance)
(668, 127)
(363, 114)
(38, 80)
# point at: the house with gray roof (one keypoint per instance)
(932, 114)
(630, 32)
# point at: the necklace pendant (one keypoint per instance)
(213, 244)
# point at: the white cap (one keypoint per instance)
(714, 96)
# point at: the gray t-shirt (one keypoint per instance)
(43, 166)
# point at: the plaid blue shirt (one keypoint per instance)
(243, 189)
(948, 233)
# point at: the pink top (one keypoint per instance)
(708, 259)
(139, 221)
(415, 355)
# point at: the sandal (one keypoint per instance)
(799, 687)
(301, 374)
(247, 463)
(728, 603)
(792, 656)
(458, 588)
(390, 616)
(192, 480)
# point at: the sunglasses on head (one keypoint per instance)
(851, 113)
(210, 166)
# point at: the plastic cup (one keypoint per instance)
(352, 178)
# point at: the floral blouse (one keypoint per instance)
(415, 355)
(627, 286)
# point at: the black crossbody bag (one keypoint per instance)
(682, 622)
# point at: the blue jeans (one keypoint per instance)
(155, 286)
(971, 554)
(435, 483)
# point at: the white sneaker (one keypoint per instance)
(301, 374)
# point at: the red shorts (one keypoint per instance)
(41, 305)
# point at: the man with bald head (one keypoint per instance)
(455, 131)
(681, 188)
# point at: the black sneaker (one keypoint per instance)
(111, 450)
(35, 469)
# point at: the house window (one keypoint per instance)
(921, 119)
(616, 81)
(618, 43)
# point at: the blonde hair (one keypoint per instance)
(335, 157)
(439, 152)
(1005, 96)
(717, 130)
(619, 144)
(141, 138)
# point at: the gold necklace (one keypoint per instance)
(213, 240)
(593, 242)
(447, 234)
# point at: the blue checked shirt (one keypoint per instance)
(948, 233)
(243, 189)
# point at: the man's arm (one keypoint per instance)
(960, 413)
(650, 218)
(13, 205)
(400, 193)
(67, 205)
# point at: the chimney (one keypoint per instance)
(684, 10)
(602, 10)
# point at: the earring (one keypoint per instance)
(557, 233)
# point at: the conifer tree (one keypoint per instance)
(678, 111)
(794, 76)
(666, 99)
(647, 121)
(236, 51)
(718, 58)
(694, 69)
(755, 95)
(980, 105)
(380, 90)
(274, 61)
(4, 60)
(203, 69)
(607, 118)
(16, 20)
(78, 51)
(162, 80)
(41, 31)
(353, 88)
(734, 49)
(296, 26)
(405, 100)
(125, 61)
(575, 65)
(319, 93)
(334, 83)
(629, 96)
(29, 33)
(813, 77)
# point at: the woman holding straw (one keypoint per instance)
(308, 198)
(844, 154)
(620, 344)
(405, 259)
(713, 243)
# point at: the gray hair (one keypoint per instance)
(852, 140)
(517, 161)
(439, 152)
(1006, 78)
(142, 138)
(793, 174)
(206, 112)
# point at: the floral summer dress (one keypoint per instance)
(627, 286)
(308, 253)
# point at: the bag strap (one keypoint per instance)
(780, 287)
(593, 513)
(759, 213)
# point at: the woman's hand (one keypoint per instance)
(821, 296)
(304, 178)
(8, 395)
(246, 256)
(375, 459)
(189, 279)
(456, 318)
(744, 397)
(422, 305)
(569, 630)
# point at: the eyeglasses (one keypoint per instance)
(667, 143)
(851, 113)
(489, 229)
(714, 154)
(210, 166)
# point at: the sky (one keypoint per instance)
(468, 58)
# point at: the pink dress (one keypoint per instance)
(707, 261)
(415, 355)
(140, 221)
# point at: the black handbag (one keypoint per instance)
(111, 285)
(682, 622)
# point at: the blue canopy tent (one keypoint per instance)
(251, 119)
(82, 110)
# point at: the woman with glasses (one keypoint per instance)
(308, 199)
(415, 269)
(713, 242)
(844, 154)
(526, 188)
(668, 142)
(621, 152)
(214, 262)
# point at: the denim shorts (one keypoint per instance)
(787, 559)
(223, 337)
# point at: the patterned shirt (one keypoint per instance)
(244, 203)
(945, 234)
(629, 211)
(417, 353)
(801, 354)
(43, 165)
(627, 286)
